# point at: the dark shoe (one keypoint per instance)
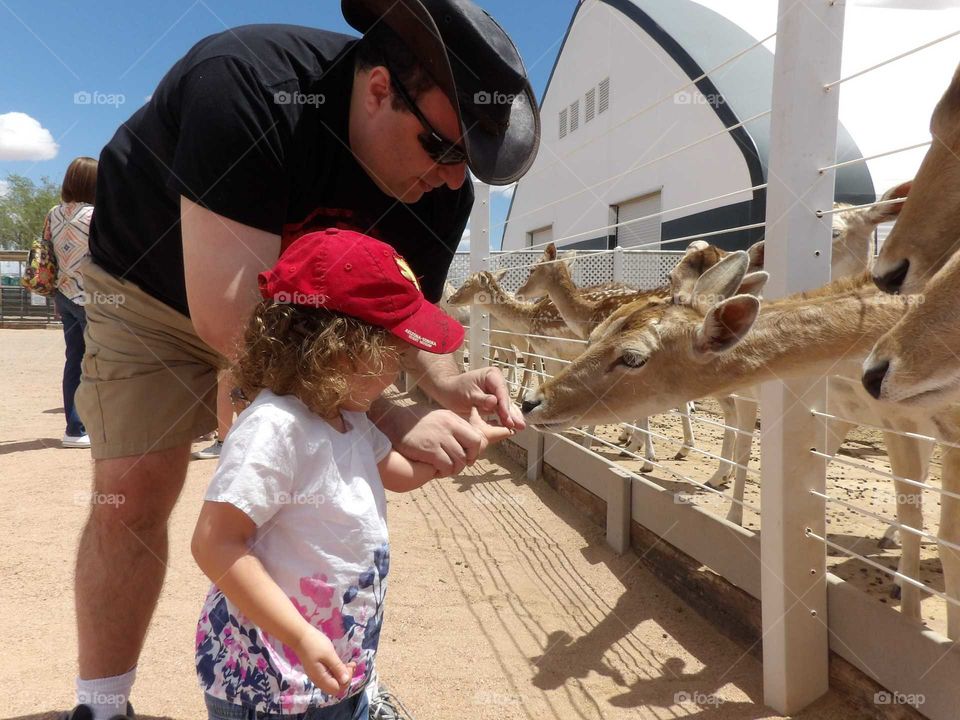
(209, 453)
(387, 706)
(82, 712)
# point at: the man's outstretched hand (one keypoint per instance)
(484, 389)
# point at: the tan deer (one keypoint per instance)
(716, 342)
(583, 309)
(928, 231)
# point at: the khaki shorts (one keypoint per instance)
(148, 382)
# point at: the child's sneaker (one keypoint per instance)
(210, 453)
(387, 706)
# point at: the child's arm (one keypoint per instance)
(400, 474)
(221, 548)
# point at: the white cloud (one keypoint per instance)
(23, 138)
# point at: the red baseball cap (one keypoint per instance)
(353, 274)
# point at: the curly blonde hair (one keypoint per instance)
(309, 353)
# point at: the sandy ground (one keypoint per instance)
(504, 602)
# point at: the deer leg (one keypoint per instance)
(642, 435)
(729, 408)
(746, 414)
(688, 438)
(950, 531)
(909, 459)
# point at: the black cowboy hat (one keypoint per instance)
(477, 66)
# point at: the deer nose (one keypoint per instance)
(528, 406)
(892, 281)
(873, 377)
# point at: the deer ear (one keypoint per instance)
(498, 275)
(756, 255)
(720, 282)
(725, 325)
(752, 283)
(550, 252)
(886, 213)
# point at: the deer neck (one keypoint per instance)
(576, 311)
(801, 336)
(514, 315)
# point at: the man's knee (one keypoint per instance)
(137, 493)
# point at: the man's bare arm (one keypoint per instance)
(221, 260)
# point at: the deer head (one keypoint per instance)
(650, 355)
(480, 288)
(928, 230)
(915, 362)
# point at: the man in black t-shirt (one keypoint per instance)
(256, 136)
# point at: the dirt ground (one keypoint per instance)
(504, 601)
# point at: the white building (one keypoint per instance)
(620, 141)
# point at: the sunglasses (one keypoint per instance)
(440, 150)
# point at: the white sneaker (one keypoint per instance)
(209, 453)
(75, 441)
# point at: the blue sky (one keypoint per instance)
(117, 51)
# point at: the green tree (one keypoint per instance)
(23, 209)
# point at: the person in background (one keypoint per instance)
(67, 227)
(224, 419)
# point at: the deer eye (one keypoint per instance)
(632, 359)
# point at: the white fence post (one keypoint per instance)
(479, 249)
(618, 264)
(803, 133)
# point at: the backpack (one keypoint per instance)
(40, 274)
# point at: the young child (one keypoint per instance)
(293, 531)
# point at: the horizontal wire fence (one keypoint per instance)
(645, 268)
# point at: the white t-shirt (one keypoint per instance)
(316, 497)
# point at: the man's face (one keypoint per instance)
(386, 143)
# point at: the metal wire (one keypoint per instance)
(821, 213)
(873, 157)
(890, 60)
(884, 473)
(589, 254)
(634, 169)
(675, 441)
(680, 476)
(635, 220)
(543, 337)
(891, 523)
(894, 573)
(903, 433)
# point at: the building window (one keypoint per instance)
(574, 115)
(640, 229)
(604, 101)
(563, 123)
(540, 237)
(590, 105)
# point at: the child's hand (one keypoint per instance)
(491, 433)
(322, 664)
